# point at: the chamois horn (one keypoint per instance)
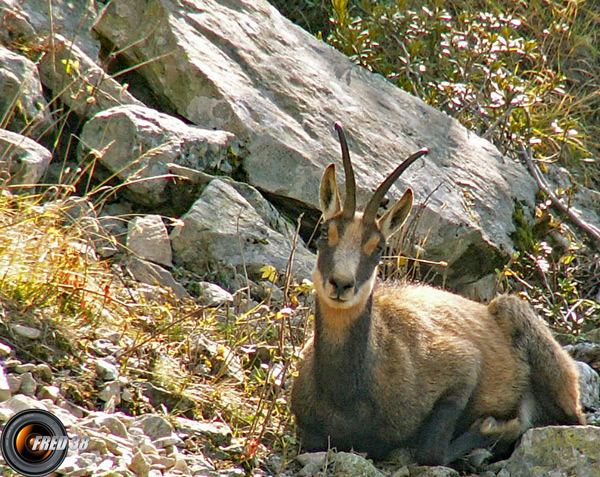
(350, 201)
(373, 205)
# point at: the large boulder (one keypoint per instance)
(137, 143)
(243, 68)
(22, 104)
(232, 229)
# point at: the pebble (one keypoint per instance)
(43, 371)
(14, 381)
(5, 350)
(155, 427)
(26, 332)
(28, 384)
(24, 368)
(140, 464)
(106, 370)
(5, 389)
(49, 392)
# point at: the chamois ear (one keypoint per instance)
(394, 218)
(329, 197)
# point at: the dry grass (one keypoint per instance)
(51, 279)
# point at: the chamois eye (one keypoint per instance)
(323, 233)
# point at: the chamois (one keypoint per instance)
(409, 365)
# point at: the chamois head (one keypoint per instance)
(351, 242)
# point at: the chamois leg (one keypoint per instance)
(436, 432)
(554, 376)
(486, 433)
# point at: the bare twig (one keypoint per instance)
(592, 231)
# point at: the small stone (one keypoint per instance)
(44, 372)
(106, 370)
(28, 384)
(312, 462)
(14, 382)
(140, 464)
(111, 423)
(24, 368)
(347, 464)
(426, 471)
(111, 391)
(49, 392)
(26, 332)
(5, 350)
(172, 440)
(213, 294)
(154, 426)
(148, 239)
(589, 384)
(219, 433)
(5, 391)
(18, 403)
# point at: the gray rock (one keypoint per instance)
(148, 239)
(140, 465)
(211, 293)
(164, 442)
(5, 350)
(111, 393)
(137, 143)
(155, 427)
(346, 464)
(312, 462)
(21, 99)
(106, 370)
(110, 422)
(43, 371)
(153, 274)
(231, 227)
(279, 90)
(49, 392)
(24, 368)
(23, 160)
(79, 82)
(559, 451)
(589, 383)
(28, 384)
(18, 403)
(14, 382)
(219, 433)
(5, 388)
(72, 19)
(426, 471)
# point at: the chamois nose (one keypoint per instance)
(341, 285)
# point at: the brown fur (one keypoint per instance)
(411, 365)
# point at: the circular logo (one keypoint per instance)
(34, 442)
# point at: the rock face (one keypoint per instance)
(137, 143)
(232, 227)
(279, 90)
(559, 451)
